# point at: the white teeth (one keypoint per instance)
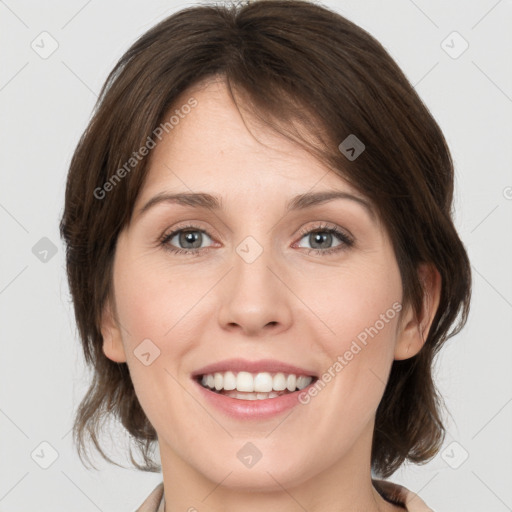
(251, 396)
(302, 382)
(259, 386)
(279, 382)
(229, 381)
(263, 382)
(291, 382)
(244, 382)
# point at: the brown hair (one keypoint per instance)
(293, 61)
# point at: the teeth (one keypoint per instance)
(279, 382)
(244, 382)
(251, 396)
(258, 386)
(263, 382)
(229, 381)
(291, 382)
(302, 382)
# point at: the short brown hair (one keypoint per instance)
(292, 61)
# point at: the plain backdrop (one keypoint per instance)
(46, 101)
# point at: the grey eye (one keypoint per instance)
(189, 239)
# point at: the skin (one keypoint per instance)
(202, 309)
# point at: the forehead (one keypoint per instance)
(221, 147)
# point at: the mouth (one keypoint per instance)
(245, 385)
(252, 390)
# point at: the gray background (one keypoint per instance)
(45, 105)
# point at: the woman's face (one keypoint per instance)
(266, 292)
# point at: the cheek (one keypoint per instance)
(362, 304)
(151, 300)
(365, 324)
(152, 305)
(362, 310)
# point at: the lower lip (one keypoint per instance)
(252, 409)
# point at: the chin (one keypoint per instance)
(268, 475)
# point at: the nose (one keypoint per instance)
(255, 298)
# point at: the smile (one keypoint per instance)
(254, 386)
(252, 390)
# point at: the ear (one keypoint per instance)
(112, 341)
(414, 331)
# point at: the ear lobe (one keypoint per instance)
(415, 331)
(111, 333)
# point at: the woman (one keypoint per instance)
(263, 262)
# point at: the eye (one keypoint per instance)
(322, 237)
(189, 240)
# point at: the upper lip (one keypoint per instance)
(261, 365)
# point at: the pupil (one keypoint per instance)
(321, 237)
(190, 237)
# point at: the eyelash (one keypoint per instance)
(346, 240)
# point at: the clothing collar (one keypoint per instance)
(391, 492)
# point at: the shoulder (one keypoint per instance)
(400, 495)
(154, 502)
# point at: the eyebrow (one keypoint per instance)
(211, 202)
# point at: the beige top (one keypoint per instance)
(394, 493)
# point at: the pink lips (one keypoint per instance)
(243, 365)
(251, 409)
